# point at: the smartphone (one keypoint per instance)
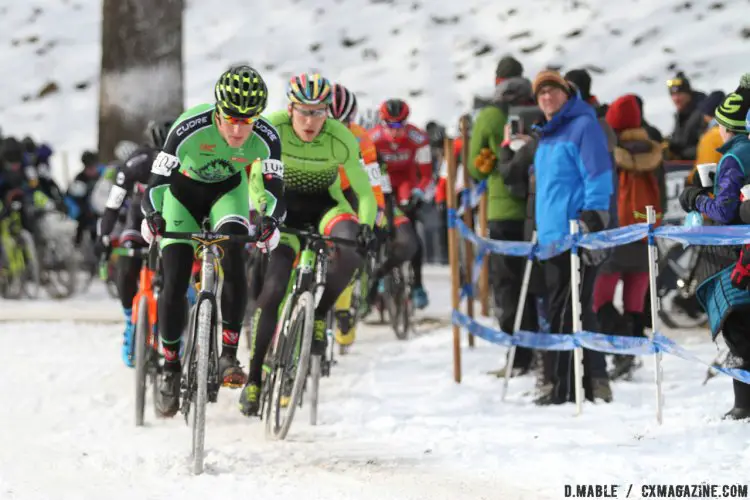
(515, 125)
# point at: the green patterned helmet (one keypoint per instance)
(241, 92)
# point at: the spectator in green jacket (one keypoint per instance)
(506, 205)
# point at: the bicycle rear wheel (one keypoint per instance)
(291, 358)
(398, 303)
(141, 359)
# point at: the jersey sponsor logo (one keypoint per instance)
(214, 171)
(116, 197)
(187, 126)
(261, 126)
(164, 163)
(272, 168)
(208, 147)
(416, 136)
(240, 159)
(399, 156)
(423, 155)
(120, 179)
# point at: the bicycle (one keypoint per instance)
(201, 380)
(19, 263)
(59, 268)
(290, 360)
(395, 299)
(146, 343)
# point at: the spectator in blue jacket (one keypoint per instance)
(574, 180)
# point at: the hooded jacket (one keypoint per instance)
(688, 127)
(488, 132)
(573, 169)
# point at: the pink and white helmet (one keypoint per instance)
(343, 106)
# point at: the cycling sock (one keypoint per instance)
(229, 341)
(171, 356)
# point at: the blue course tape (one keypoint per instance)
(600, 342)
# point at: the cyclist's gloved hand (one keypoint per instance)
(102, 246)
(417, 195)
(593, 221)
(366, 238)
(269, 236)
(152, 226)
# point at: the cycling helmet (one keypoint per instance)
(343, 105)
(156, 133)
(394, 111)
(241, 92)
(309, 89)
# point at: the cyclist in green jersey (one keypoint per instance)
(201, 172)
(313, 148)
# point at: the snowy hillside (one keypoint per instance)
(436, 53)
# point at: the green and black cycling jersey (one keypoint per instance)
(311, 176)
(197, 159)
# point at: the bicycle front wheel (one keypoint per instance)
(141, 362)
(291, 360)
(201, 351)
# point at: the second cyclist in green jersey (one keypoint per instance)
(202, 171)
(313, 148)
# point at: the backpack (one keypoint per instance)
(636, 191)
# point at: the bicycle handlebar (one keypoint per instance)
(210, 237)
(319, 237)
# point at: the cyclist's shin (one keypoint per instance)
(265, 316)
(344, 263)
(177, 264)
(128, 269)
(344, 302)
(234, 291)
(403, 248)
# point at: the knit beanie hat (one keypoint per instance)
(709, 104)
(550, 77)
(732, 112)
(508, 67)
(624, 113)
(679, 83)
(582, 79)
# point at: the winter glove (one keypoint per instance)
(269, 237)
(366, 239)
(102, 247)
(485, 161)
(152, 226)
(689, 197)
(593, 221)
(741, 272)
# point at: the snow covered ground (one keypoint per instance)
(438, 54)
(393, 424)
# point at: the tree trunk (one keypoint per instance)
(141, 70)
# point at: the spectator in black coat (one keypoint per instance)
(689, 124)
